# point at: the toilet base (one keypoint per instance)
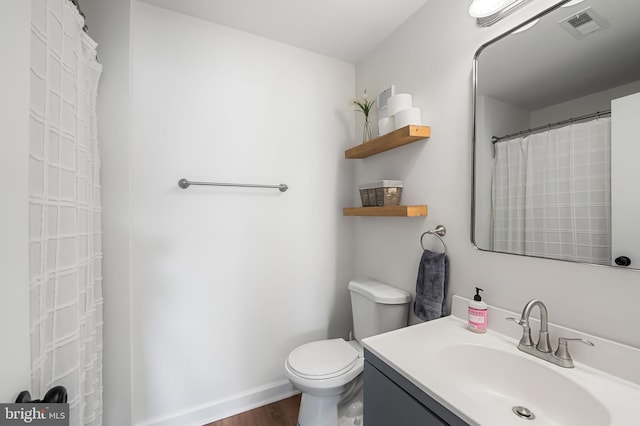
(344, 409)
(318, 411)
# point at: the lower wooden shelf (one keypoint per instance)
(397, 211)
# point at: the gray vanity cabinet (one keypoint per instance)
(392, 400)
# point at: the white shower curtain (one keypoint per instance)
(65, 212)
(551, 193)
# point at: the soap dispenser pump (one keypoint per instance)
(478, 313)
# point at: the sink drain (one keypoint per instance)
(523, 412)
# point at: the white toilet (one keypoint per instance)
(329, 372)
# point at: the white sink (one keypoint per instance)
(482, 377)
(503, 380)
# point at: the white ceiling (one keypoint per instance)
(343, 29)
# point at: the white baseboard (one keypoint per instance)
(234, 404)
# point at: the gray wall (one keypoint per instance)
(431, 57)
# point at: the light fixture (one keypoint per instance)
(572, 3)
(488, 12)
(484, 8)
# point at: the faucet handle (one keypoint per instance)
(526, 330)
(563, 351)
(517, 321)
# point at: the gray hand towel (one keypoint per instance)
(431, 286)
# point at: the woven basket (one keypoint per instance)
(382, 193)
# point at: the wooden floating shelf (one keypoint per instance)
(398, 211)
(402, 136)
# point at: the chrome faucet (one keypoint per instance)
(543, 349)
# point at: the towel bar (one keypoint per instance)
(184, 184)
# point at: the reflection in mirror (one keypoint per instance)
(555, 148)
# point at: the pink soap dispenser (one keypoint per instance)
(478, 314)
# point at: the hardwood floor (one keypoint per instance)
(280, 413)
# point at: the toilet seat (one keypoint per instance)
(323, 359)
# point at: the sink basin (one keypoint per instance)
(480, 378)
(501, 380)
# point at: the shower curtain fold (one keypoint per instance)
(65, 211)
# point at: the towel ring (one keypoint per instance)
(438, 232)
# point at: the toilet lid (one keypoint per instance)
(323, 360)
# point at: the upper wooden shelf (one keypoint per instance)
(402, 136)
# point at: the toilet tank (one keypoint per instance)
(377, 307)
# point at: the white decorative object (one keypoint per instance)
(386, 125)
(399, 102)
(409, 116)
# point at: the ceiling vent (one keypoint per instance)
(584, 23)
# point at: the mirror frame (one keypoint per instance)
(474, 100)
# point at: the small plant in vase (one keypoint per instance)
(364, 106)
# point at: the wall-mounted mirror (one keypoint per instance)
(557, 136)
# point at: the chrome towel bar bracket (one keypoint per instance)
(438, 232)
(184, 184)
